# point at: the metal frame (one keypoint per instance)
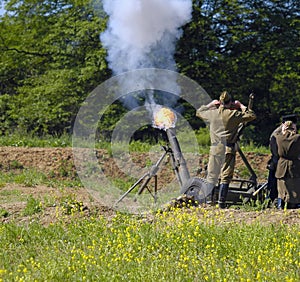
(145, 179)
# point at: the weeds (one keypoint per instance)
(30, 140)
(173, 246)
(166, 246)
(13, 195)
(3, 213)
(15, 165)
(32, 177)
(32, 206)
(201, 136)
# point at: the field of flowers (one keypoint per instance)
(46, 233)
(165, 246)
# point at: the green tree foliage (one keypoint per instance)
(51, 58)
(246, 46)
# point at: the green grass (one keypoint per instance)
(31, 177)
(202, 138)
(254, 148)
(9, 196)
(33, 206)
(181, 245)
(30, 140)
(172, 247)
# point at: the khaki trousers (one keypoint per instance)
(215, 163)
(228, 166)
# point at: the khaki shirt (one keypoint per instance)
(232, 119)
(214, 121)
(224, 122)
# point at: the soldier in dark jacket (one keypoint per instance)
(288, 166)
(272, 164)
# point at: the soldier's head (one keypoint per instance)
(289, 126)
(225, 98)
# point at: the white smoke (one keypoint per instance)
(143, 33)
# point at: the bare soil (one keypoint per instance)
(58, 163)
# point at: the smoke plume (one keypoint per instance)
(143, 33)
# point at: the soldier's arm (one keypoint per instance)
(245, 114)
(248, 115)
(201, 112)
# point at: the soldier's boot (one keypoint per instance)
(209, 192)
(279, 204)
(222, 195)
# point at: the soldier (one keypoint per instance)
(272, 163)
(224, 117)
(210, 114)
(288, 166)
(232, 120)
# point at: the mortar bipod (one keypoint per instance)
(145, 179)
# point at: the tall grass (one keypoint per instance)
(31, 177)
(172, 246)
(65, 140)
(30, 140)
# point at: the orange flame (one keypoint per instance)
(164, 118)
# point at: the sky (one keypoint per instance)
(1, 10)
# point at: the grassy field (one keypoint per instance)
(202, 137)
(173, 246)
(188, 244)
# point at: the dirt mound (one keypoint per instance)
(59, 163)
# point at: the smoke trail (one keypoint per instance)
(143, 33)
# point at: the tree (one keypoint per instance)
(246, 46)
(52, 58)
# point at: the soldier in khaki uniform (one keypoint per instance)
(231, 120)
(224, 122)
(288, 166)
(210, 114)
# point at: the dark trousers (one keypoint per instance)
(272, 185)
